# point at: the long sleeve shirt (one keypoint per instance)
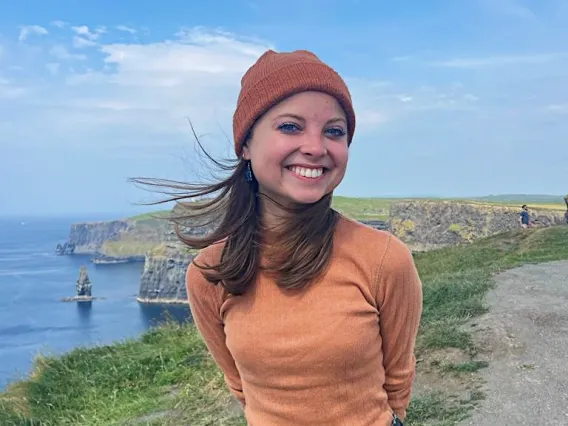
(338, 352)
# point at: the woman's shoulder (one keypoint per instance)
(369, 242)
(359, 232)
(196, 281)
(210, 254)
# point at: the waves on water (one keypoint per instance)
(13, 273)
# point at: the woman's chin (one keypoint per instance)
(306, 197)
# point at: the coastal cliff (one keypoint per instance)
(89, 237)
(125, 239)
(163, 277)
(426, 225)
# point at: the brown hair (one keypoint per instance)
(300, 248)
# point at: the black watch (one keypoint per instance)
(396, 421)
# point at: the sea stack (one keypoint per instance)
(83, 283)
(83, 288)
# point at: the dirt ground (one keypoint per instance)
(525, 339)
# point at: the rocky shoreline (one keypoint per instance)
(111, 260)
(81, 299)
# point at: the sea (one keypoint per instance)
(34, 280)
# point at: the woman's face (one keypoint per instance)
(298, 149)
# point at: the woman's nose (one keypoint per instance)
(314, 145)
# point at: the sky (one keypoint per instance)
(453, 98)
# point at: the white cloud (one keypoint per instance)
(83, 30)
(27, 30)
(558, 108)
(405, 98)
(61, 52)
(85, 37)
(58, 24)
(126, 29)
(80, 42)
(148, 91)
(143, 92)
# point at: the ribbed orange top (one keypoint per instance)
(339, 352)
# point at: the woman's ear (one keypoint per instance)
(246, 152)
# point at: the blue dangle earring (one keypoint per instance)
(248, 172)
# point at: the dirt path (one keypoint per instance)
(525, 339)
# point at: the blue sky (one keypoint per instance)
(453, 98)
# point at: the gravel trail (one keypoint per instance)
(525, 339)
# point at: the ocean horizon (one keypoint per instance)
(33, 280)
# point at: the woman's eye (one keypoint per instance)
(336, 132)
(288, 127)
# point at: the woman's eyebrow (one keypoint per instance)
(336, 119)
(290, 115)
(300, 118)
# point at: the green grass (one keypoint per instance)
(126, 248)
(124, 381)
(168, 376)
(464, 367)
(439, 410)
(363, 208)
(151, 215)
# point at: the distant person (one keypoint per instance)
(524, 218)
(311, 316)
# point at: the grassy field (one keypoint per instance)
(167, 378)
(151, 215)
(363, 208)
(126, 248)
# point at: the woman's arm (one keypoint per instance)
(399, 300)
(205, 302)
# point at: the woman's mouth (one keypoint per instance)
(307, 172)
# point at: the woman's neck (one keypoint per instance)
(273, 216)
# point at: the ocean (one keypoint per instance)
(33, 280)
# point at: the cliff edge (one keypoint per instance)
(163, 277)
(125, 239)
(426, 225)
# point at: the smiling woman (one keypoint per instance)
(298, 149)
(311, 317)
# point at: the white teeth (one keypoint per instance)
(305, 172)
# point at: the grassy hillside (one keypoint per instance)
(363, 208)
(126, 248)
(150, 215)
(167, 378)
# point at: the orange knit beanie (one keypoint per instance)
(274, 77)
